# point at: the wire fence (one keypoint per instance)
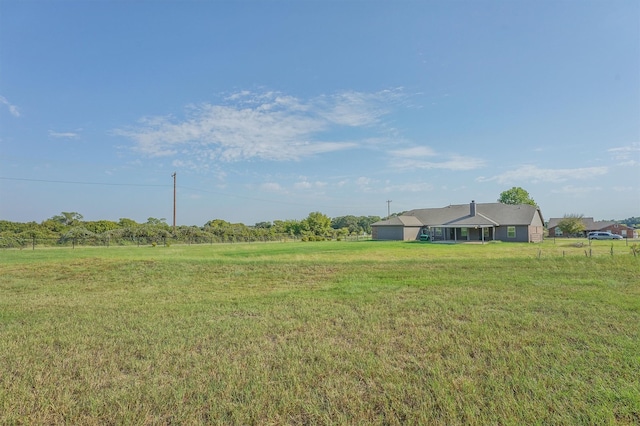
(561, 247)
(32, 243)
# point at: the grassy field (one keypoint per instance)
(321, 333)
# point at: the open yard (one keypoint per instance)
(321, 333)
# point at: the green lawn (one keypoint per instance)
(321, 333)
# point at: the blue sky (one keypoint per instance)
(270, 110)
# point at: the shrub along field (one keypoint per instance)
(321, 333)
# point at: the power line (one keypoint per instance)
(83, 183)
(226, 194)
(150, 185)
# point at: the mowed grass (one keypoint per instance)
(321, 333)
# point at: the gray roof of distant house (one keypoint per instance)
(589, 223)
(487, 214)
(400, 221)
(459, 215)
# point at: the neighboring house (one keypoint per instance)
(591, 225)
(465, 222)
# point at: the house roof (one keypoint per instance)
(487, 214)
(400, 221)
(588, 222)
(459, 215)
(478, 220)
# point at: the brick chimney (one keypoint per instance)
(472, 208)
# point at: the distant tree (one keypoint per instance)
(54, 226)
(218, 227)
(152, 232)
(631, 222)
(68, 218)
(77, 233)
(156, 222)
(101, 226)
(14, 227)
(290, 227)
(355, 224)
(571, 224)
(516, 195)
(33, 230)
(349, 222)
(318, 224)
(191, 234)
(127, 223)
(342, 232)
(217, 223)
(366, 221)
(226, 231)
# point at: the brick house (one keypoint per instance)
(591, 225)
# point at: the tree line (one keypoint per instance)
(69, 228)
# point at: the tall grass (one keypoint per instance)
(318, 333)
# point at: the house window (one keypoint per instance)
(558, 232)
(511, 231)
(438, 232)
(464, 232)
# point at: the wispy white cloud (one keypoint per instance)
(305, 184)
(534, 174)
(271, 187)
(627, 189)
(369, 185)
(576, 190)
(416, 151)
(66, 135)
(408, 187)
(266, 126)
(453, 162)
(425, 158)
(357, 108)
(363, 181)
(13, 110)
(627, 155)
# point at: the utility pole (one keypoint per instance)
(388, 209)
(174, 201)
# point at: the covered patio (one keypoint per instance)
(470, 228)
